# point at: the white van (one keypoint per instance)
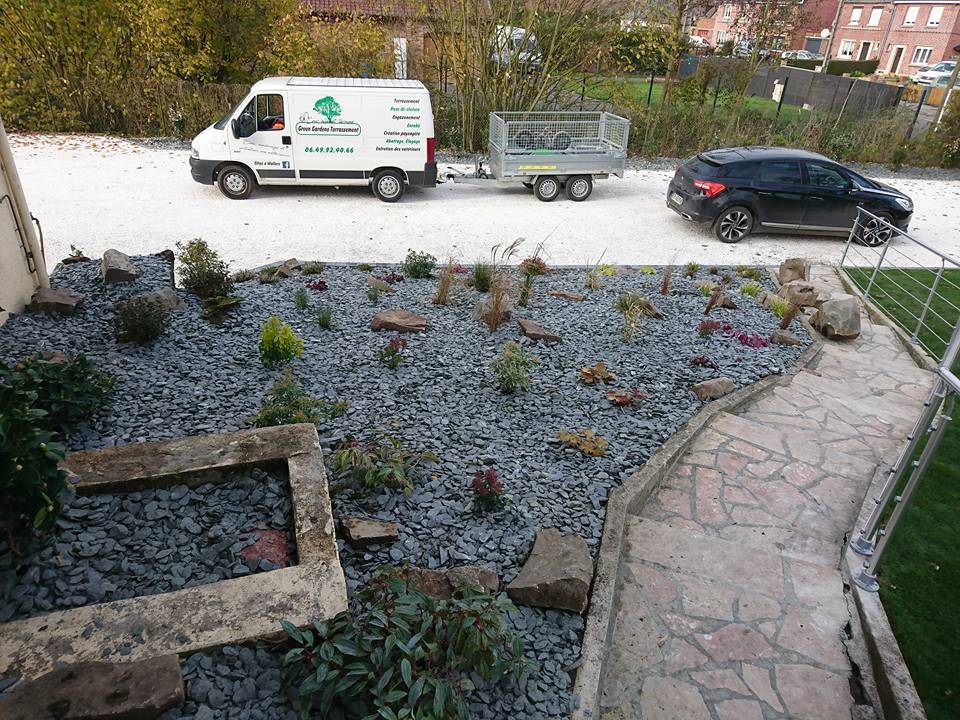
(321, 131)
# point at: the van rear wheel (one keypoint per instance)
(388, 185)
(236, 182)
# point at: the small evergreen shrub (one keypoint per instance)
(692, 269)
(482, 276)
(512, 368)
(751, 273)
(279, 344)
(401, 654)
(301, 299)
(365, 267)
(373, 294)
(202, 272)
(385, 462)
(68, 388)
(324, 317)
(139, 320)
(287, 404)
(313, 267)
(418, 265)
(269, 276)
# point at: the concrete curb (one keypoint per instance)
(898, 695)
(628, 499)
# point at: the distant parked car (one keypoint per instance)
(945, 80)
(743, 189)
(929, 75)
(801, 55)
(699, 43)
(744, 49)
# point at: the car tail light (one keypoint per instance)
(431, 150)
(708, 188)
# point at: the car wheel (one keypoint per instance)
(546, 188)
(236, 182)
(873, 232)
(579, 187)
(733, 224)
(388, 185)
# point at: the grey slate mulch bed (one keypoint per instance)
(203, 378)
(113, 546)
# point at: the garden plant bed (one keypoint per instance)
(200, 377)
(113, 546)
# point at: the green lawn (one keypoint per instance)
(638, 88)
(920, 572)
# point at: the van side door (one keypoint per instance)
(262, 139)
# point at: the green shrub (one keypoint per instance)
(692, 269)
(751, 273)
(313, 267)
(269, 276)
(375, 464)
(779, 306)
(418, 265)
(139, 320)
(287, 404)
(401, 654)
(67, 388)
(324, 317)
(512, 368)
(279, 344)
(242, 276)
(482, 276)
(365, 267)
(301, 299)
(202, 272)
(373, 294)
(646, 270)
(632, 306)
(751, 288)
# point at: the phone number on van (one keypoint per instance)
(327, 149)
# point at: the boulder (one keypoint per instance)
(60, 300)
(793, 269)
(803, 293)
(118, 268)
(556, 575)
(360, 532)
(166, 298)
(726, 302)
(73, 259)
(139, 690)
(714, 388)
(784, 337)
(398, 321)
(536, 332)
(289, 268)
(380, 285)
(564, 295)
(440, 584)
(838, 318)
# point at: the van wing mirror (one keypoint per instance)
(234, 129)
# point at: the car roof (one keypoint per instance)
(723, 156)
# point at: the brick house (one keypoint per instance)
(720, 24)
(902, 35)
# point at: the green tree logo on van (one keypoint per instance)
(328, 107)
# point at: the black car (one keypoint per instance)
(740, 190)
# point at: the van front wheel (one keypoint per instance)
(235, 182)
(388, 185)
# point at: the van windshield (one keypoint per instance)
(222, 122)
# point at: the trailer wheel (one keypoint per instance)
(388, 185)
(546, 188)
(579, 187)
(236, 182)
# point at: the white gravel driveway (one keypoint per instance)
(98, 192)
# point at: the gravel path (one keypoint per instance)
(201, 377)
(98, 192)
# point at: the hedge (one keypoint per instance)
(838, 67)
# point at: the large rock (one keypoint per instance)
(399, 321)
(166, 298)
(793, 269)
(60, 300)
(838, 318)
(289, 268)
(564, 295)
(440, 584)
(139, 690)
(556, 575)
(381, 285)
(118, 268)
(536, 332)
(713, 389)
(803, 293)
(360, 532)
(784, 337)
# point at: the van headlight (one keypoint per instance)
(905, 203)
(194, 153)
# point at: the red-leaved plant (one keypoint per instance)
(318, 285)
(703, 361)
(391, 354)
(392, 277)
(625, 398)
(487, 491)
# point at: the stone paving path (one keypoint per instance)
(732, 605)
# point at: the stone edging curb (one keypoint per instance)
(629, 498)
(898, 695)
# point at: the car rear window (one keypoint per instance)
(781, 173)
(699, 166)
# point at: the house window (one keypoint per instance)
(846, 48)
(728, 12)
(855, 15)
(921, 56)
(721, 37)
(875, 14)
(936, 13)
(910, 19)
